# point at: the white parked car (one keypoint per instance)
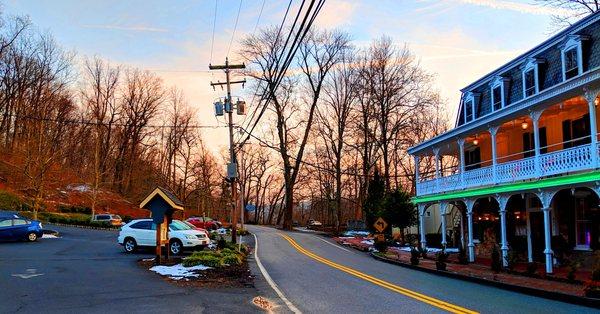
(142, 233)
(313, 223)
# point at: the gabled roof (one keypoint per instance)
(166, 195)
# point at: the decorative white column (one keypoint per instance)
(548, 239)
(421, 208)
(529, 244)
(493, 131)
(443, 207)
(461, 152)
(502, 202)
(546, 199)
(471, 246)
(590, 96)
(417, 174)
(436, 152)
(535, 117)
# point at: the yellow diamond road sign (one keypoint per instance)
(380, 225)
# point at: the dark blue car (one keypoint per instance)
(16, 228)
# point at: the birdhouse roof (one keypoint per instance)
(166, 195)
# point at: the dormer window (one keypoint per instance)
(531, 84)
(572, 56)
(497, 98)
(529, 81)
(470, 101)
(469, 110)
(499, 92)
(571, 63)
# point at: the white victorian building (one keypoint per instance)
(526, 149)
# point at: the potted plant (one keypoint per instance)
(414, 256)
(423, 252)
(496, 262)
(440, 260)
(462, 256)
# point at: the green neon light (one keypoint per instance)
(506, 188)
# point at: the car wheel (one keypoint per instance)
(32, 237)
(175, 247)
(130, 245)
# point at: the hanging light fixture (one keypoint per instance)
(524, 125)
(475, 141)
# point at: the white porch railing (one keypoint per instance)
(564, 161)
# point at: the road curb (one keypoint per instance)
(82, 227)
(552, 295)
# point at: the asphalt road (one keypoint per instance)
(335, 279)
(86, 271)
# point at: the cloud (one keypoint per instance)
(336, 13)
(519, 7)
(139, 28)
(444, 53)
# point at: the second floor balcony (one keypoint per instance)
(545, 137)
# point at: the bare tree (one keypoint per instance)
(570, 10)
(333, 117)
(142, 97)
(99, 96)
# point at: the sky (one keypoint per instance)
(456, 40)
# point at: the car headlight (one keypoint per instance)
(191, 237)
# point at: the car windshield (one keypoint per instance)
(189, 224)
(178, 225)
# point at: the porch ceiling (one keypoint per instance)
(562, 181)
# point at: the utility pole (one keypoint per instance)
(232, 166)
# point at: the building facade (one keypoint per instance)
(526, 156)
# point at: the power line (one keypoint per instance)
(212, 42)
(312, 165)
(291, 53)
(259, 15)
(234, 28)
(92, 123)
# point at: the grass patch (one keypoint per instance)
(11, 202)
(228, 256)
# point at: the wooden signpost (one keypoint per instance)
(162, 204)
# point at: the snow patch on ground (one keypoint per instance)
(49, 236)
(79, 188)
(304, 229)
(368, 242)
(430, 249)
(354, 233)
(178, 271)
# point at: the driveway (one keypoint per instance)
(87, 271)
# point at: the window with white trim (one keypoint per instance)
(499, 89)
(529, 82)
(468, 110)
(572, 56)
(571, 63)
(497, 98)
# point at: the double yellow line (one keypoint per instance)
(409, 293)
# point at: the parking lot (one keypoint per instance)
(85, 270)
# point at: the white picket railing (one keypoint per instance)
(559, 162)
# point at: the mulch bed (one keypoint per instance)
(224, 277)
(483, 272)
